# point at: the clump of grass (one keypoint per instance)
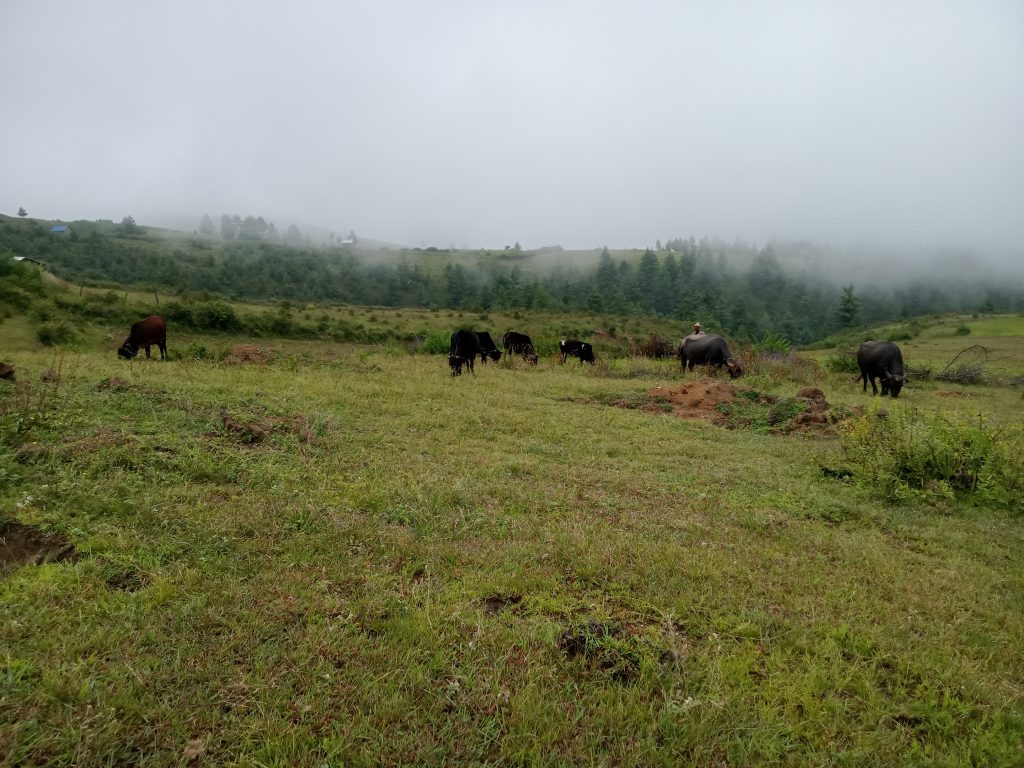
(56, 332)
(607, 648)
(908, 454)
(843, 361)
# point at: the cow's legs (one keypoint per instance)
(147, 351)
(163, 349)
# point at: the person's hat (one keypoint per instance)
(696, 325)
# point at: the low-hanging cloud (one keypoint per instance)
(481, 124)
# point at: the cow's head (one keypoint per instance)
(494, 354)
(893, 382)
(735, 371)
(532, 358)
(128, 350)
(456, 364)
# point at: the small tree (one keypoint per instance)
(128, 225)
(849, 308)
(22, 212)
(206, 225)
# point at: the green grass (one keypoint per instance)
(420, 570)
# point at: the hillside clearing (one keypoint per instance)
(406, 568)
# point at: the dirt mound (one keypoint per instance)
(252, 432)
(24, 545)
(114, 384)
(248, 354)
(816, 411)
(695, 400)
(740, 408)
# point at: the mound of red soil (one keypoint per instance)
(696, 400)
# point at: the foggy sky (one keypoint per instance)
(482, 123)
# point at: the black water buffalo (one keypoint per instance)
(581, 350)
(145, 333)
(465, 347)
(708, 349)
(881, 360)
(519, 344)
(488, 349)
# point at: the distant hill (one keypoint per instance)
(740, 289)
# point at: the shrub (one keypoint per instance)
(215, 315)
(843, 361)
(962, 330)
(197, 351)
(436, 344)
(771, 343)
(906, 454)
(56, 332)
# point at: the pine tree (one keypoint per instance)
(849, 308)
(22, 212)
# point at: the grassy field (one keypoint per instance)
(343, 556)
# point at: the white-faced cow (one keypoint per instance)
(581, 350)
(708, 349)
(145, 333)
(519, 344)
(881, 360)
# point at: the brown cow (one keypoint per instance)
(145, 333)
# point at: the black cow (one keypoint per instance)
(519, 344)
(881, 360)
(581, 350)
(708, 349)
(145, 333)
(488, 349)
(465, 348)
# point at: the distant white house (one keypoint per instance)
(348, 242)
(30, 260)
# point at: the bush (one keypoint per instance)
(436, 344)
(215, 315)
(962, 330)
(56, 332)
(843, 361)
(908, 454)
(770, 343)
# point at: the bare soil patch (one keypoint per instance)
(248, 354)
(497, 603)
(740, 408)
(260, 430)
(22, 544)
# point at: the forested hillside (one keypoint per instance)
(743, 290)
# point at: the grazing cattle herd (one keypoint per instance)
(881, 360)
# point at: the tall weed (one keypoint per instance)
(907, 454)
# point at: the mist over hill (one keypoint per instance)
(796, 290)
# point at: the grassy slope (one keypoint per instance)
(307, 602)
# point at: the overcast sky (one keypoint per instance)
(480, 123)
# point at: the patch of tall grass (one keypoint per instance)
(908, 454)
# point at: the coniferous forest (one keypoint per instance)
(785, 289)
